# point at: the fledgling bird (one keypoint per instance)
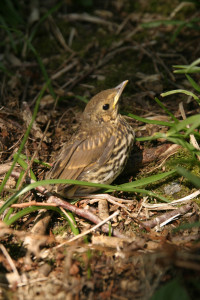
(99, 150)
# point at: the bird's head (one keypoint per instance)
(103, 107)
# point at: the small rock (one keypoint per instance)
(172, 188)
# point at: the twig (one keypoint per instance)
(83, 213)
(90, 230)
(179, 7)
(88, 18)
(10, 261)
(33, 203)
(58, 34)
(109, 198)
(158, 220)
(164, 206)
(169, 220)
(64, 70)
(78, 211)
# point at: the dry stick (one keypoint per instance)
(178, 8)
(78, 211)
(33, 203)
(58, 34)
(89, 230)
(64, 70)
(83, 213)
(159, 206)
(88, 18)
(10, 261)
(4, 168)
(109, 198)
(158, 220)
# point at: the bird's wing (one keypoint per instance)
(84, 152)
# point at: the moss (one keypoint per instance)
(61, 229)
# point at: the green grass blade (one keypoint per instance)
(192, 68)
(193, 83)
(182, 125)
(192, 128)
(34, 208)
(147, 180)
(28, 210)
(73, 224)
(187, 226)
(24, 165)
(19, 179)
(176, 32)
(180, 91)
(31, 186)
(183, 70)
(7, 216)
(165, 109)
(191, 177)
(82, 99)
(24, 138)
(35, 161)
(169, 124)
(162, 22)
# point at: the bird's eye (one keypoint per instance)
(106, 106)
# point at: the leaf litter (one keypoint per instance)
(147, 245)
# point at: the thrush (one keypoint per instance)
(99, 150)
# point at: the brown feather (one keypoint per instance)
(97, 152)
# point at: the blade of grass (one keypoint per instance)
(166, 110)
(24, 165)
(19, 179)
(162, 22)
(187, 226)
(191, 177)
(35, 161)
(26, 135)
(7, 216)
(27, 211)
(193, 83)
(73, 228)
(147, 180)
(180, 91)
(31, 186)
(81, 98)
(176, 32)
(183, 69)
(192, 128)
(182, 125)
(169, 124)
(34, 208)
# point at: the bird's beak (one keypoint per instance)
(119, 88)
